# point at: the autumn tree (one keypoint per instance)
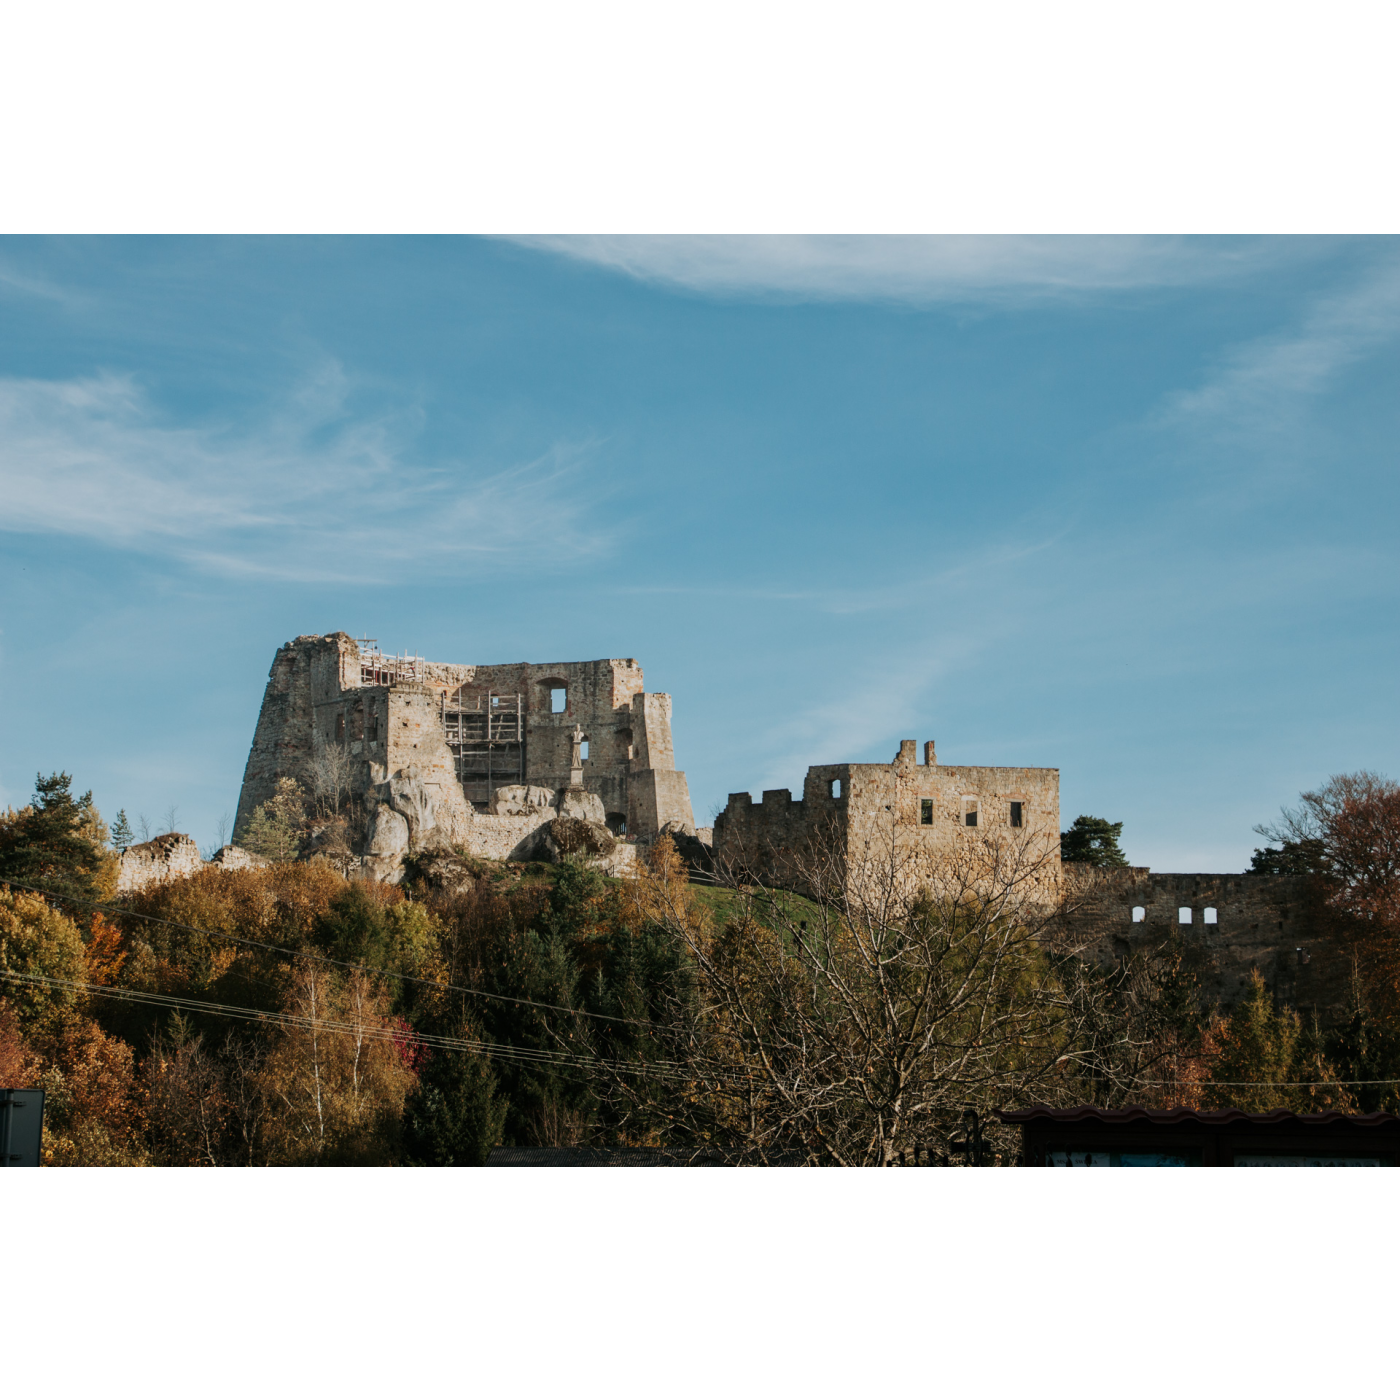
(862, 1018)
(1348, 833)
(43, 963)
(1264, 1057)
(335, 1075)
(274, 830)
(57, 843)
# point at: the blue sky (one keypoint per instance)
(1125, 507)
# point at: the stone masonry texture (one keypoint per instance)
(322, 692)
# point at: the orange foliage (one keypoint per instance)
(105, 952)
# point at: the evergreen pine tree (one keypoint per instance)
(122, 834)
(50, 844)
(454, 1117)
(1093, 841)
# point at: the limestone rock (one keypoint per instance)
(697, 854)
(388, 832)
(568, 836)
(582, 805)
(411, 799)
(236, 858)
(444, 871)
(520, 800)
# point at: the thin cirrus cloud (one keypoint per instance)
(311, 494)
(1258, 387)
(915, 268)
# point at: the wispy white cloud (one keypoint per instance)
(310, 493)
(928, 269)
(1257, 390)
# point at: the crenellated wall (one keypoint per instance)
(915, 809)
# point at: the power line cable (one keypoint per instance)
(657, 1069)
(118, 912)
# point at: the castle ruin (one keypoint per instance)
(476, 757)
(917, 807)
(486, 758)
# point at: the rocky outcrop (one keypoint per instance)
(581, 805)
(443, 871)
(699, 855)
(521, 800)
(168, 857)
(236, 858)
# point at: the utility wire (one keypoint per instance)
(664, 1069)
(118, 912)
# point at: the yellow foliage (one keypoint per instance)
(35, 939)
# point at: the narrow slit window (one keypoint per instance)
(1016, 814)
(1210, 917)
(969, 813)
(583, 749)
(1139, 913)
(374, 729)
(926, 811)
(1183, 915)
(558, 699)
(836, 787)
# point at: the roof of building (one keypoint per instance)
(1217, 1117)
(600, 1157)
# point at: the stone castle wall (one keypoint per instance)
(1259, 922)
(918, 811)
(323, 697)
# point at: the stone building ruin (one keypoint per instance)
(475, 757)
(921, 807)
(489, 759)
(1231, 925)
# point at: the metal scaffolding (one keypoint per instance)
(486, 734)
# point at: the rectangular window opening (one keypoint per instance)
(1015, 814)
(558, 700)
(583, 749)
(926, 812)
(836, 787)
(1183, 915)
(970, 816)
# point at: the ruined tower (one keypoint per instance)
(463, 735)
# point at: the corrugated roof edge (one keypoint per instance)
(1217, 1117)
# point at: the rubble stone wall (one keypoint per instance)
(322, 699)
(1260, 921)
(917, 809)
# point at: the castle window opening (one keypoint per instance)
(374, 728)
(583, 749)
(969, 811)
(558, 699)
(1016, 810)
(1210, 917)
(1183, 915)
(926, 811)
(1139, 913)
(836, 789)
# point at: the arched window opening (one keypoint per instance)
(1139, 913)
(1211, 917)
(1183, 915)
